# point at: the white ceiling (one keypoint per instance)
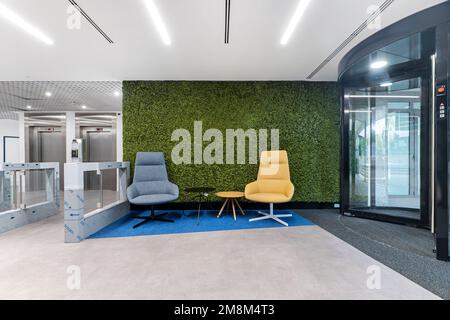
(66, 96)
(196, 28)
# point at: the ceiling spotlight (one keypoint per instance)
(158, 21)
(48, 94)
(379, 64)
(83, 107)
(15, 19)
(28, 107)
(386, 84)
(301, 8)
(117, 93)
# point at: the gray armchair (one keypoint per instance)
(151, 185)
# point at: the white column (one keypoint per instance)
(70, 134)
(119, 137)
(21, 136)
(119, 146)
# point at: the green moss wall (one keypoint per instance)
(307, 115)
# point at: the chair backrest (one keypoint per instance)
(274, 165)
(150, 166)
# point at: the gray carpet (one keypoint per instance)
(407, 250)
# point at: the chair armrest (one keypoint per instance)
(289, 191)
(132, 192)
(251, 188)
(173, 189)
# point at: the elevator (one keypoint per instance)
(45, 141)
(98, 133)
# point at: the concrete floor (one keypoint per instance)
(407, 250)
(284, 263)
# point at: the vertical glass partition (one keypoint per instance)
(93, 190)
(37, 187)
(5, 192)
(99, 192)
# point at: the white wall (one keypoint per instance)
(7, 128)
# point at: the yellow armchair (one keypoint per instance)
(273, 184)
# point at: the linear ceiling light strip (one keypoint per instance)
(227, 20)
(84, 14)
(158, 21)
(355, 33)
(20, 22)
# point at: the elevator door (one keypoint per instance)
(48, 145)
(101, 147)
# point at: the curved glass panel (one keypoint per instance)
(401, 51)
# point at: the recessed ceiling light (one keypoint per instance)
(379, 64)
(83, 107)
(157, 20)
(12, 17)
(48, 94)
(117, 93)
(301, 8)
(28, 107)
(386, 84)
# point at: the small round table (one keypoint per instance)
(231, 199)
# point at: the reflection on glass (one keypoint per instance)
(5, 192)
(384, 137)
(100, 189)
(360, 136)
(92, 191)
(401, 51)
(39, 186)
(110, 193)
(20, 189)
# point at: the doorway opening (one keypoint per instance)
(387, 131)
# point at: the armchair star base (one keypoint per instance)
(271, 215)
(152, 217)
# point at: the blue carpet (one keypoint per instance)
(187, 223)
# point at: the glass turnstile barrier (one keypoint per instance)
(89, 203)
(29, 192)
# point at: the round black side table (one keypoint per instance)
(201, 195)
